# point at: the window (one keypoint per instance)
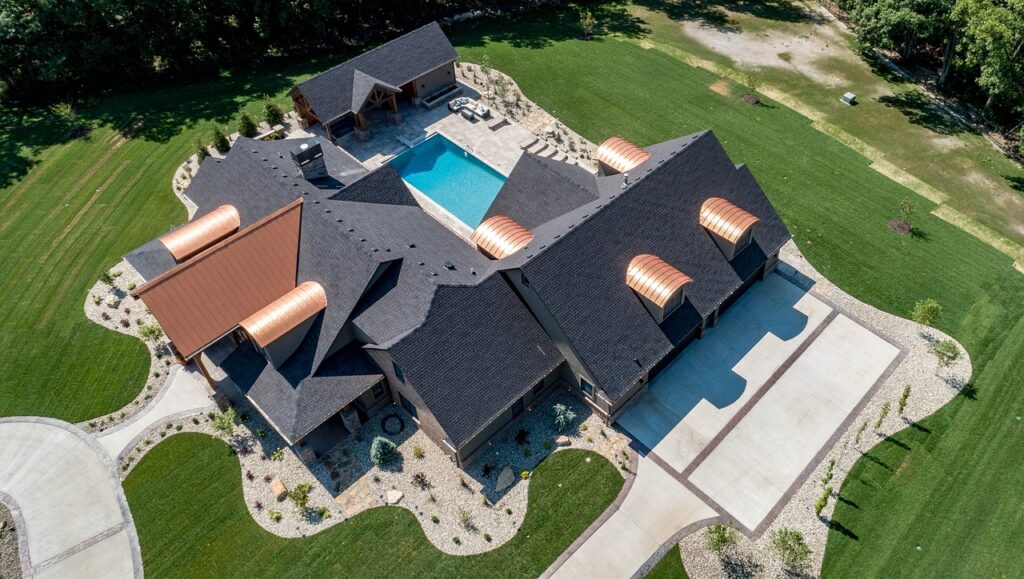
(587, 387)
(518, 407)
(378, 390)
(398, 374)
(408, 406)
(526, 282)
(538, 387)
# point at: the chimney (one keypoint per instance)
(310, 158)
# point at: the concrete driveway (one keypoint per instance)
(72, 517)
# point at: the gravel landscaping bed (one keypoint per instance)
(111, 306)
(931, 388)
(10, 563)
(344, 482)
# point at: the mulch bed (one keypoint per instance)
(901, 227)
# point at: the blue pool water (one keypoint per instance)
(453, 178)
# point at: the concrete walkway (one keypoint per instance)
(184, 394)
(656, 509)
(64, 492)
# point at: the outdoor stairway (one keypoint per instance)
(536, 146)
(547, 151)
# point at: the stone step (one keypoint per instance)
(547, 151)
(536, 146)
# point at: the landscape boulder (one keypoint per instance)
(563, 440)
(393, 497)
(505, 479)
(278, 489)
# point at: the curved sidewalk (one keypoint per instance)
(64, 492)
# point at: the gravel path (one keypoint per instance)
(112, 307)
(10, 564)
(931, 388)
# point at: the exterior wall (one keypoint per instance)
(302, 107)
(426, 421)
(435, 80)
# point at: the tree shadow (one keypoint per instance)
(920, 110)
(739, 567)
(896, 442)
(917, 426)
(847, 502)
(543, 27)
(874, 459)
(920, 234)
(1016, 182)
(716, 14)
(838, 527)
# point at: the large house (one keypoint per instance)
(336, 294)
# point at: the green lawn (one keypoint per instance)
(192, 523)
(892, 116)
(670, 567)
(957, 491)
(69, 210)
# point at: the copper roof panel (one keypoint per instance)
(620, 154)
(725, 219)
(286, 312)
(499, 236)
(654, 279)
(193, 237)
(206, 297)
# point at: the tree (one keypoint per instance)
(300, 497)
(246, 126)
(588, 23)
(908, 209)
(64, 112)
(273, 113)
(719, 538)
(993, 44)
(383, 451)
(946, 352)
(564, 416)
(202, 152)
(903, 399)
(220, 141)
(926, 312)
(224, 422)
(898, 25)
(790, 547)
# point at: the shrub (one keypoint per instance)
(903, 399)
(487, 537)
(177, 428)
(275, 516)
(224, 423)
(487, 469)
(860, 431)
(131, 286)
(434, 519)
(548, 445)
(277, 454)
(463, 483)
(151, 333)
(456, 540)
(300, 496)
(383, 451)
(527, 453)
(822, 502)
(720, 537)
(926, 312)
(323, 513)
(790, 547)
(584, 427)
(587, 23)
(220, 141)
(417, 451)
(267, 478)
(508, 511)
(522, 437)
(465, 519)
(96, 300)
(202, 152)
(881, 415)
(195, 421)
(246, 126)
(272, 113)
(258, 505)
(829, 472)
(564, 416)
(107, 278)
(64, 112)
(419, 479)
(946, 352)
(249, 476)
(260, 433)
(524, 474)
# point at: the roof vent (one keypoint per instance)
(192, 238)
(500, 236)
(449, 266)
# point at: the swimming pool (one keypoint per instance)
(453, 178)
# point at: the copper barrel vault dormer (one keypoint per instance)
(499, 237)
(660, 286)
(617, 155)
(192, 238)
(729, 225)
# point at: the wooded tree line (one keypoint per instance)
(53, 49)
(977, 46)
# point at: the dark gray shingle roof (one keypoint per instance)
(151, 260)
(540, 189)
(478, 351)
(343, 88)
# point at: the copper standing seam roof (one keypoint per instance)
(620, 154)
(193, 237)
(204, 298)
(654, 279)
(725, 219)
(499, 236)
(285, 313)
